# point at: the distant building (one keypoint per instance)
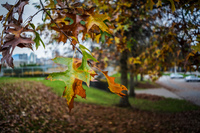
(44, 61)
(20, 59)
(23, 59)
(41, 61)
(32, 58)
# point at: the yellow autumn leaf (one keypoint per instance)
(130, 60)
(172, 5)
(62, 20)
(150, 4)
(159, 3)
(137, 62)
(117, 40)
(98, 37)
(97, 19)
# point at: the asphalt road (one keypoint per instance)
(189, 91)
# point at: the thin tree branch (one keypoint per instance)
(45, 10)
(31, 17)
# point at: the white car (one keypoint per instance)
(192, 78)
(175, 75)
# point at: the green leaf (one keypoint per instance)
(32, 25)
(45, 18)
(126, 27)
(103, 38)
(84, 65)
(86, 54)
(131, 43)
(70, 75)
(70, 19)
(82, 22)
(37, 39)
(107, 34)
(55, 2)
(84, 48)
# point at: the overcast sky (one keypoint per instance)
(28, 11)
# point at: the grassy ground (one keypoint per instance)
(96, 96)
(30, 106)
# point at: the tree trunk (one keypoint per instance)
(141, 77)
(132, 85)
(136, 79)
(124, 102)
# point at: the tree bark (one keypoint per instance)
(131, 83)
(141, 77)
(136, 78)
(124, 102)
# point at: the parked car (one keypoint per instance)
(192, 78)
(175, 75)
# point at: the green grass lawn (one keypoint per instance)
(96, 96)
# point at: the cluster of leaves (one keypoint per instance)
(174, 43)
(133, 25)
(154, 37)
(14, 32)
(69, 20)
(76, 18)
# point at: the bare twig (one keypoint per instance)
(48, 9)
(31, 17)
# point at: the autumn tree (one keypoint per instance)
(126, 24)
(175, 39)
(136, 21)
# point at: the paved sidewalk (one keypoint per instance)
(189, 91)
(159, 92)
